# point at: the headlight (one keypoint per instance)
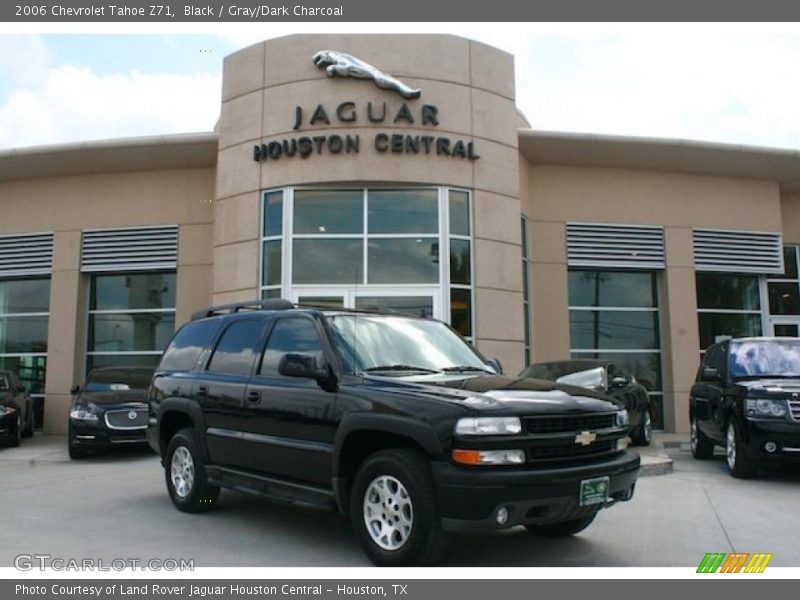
(83, 413)
(623, 420)
(489, 457)
(488, 426)
(7, 410)
(765, 408)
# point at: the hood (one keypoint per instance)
(111, 398)
(520, 394)
(778, 386)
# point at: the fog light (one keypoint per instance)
(502, 516)
(622, 443)
(770, 447)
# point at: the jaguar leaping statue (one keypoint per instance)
(339, 64)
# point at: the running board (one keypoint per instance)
(278, 490)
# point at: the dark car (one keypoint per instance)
(110, 410)
(606, 377)
(16, 409)
(747, 399)
(394, 420)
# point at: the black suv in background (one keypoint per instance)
(394, 420)
(747, 399)
(16, 410)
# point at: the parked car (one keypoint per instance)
(16, 409)
(109, 410)
(607, 377)
(746, 398)
(394, 420)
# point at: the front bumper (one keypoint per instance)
(98, 436)
(8, 426)
(469, 497)
(784, 434)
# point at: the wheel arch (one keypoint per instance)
(175, 414)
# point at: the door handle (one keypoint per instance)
(202, 390)
(253, 396)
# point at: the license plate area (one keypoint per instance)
(594, 491)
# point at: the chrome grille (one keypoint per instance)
(121, 419)
(569, 423)
(564, 437)
(794, 407)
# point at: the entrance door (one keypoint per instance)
(420, 302)
(785, 326)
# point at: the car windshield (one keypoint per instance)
(764, 358)
(118, 380)
(398, 345)
(570, 374)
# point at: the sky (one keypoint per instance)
(731, 86)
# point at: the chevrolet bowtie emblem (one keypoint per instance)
(584, 438)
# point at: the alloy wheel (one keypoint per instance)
(182, 471)
(388, 512)
(648, 427)
(693, 435)
(730, 446)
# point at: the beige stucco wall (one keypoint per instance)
(473, 87)
(790, 212)
(555, 195)
(65, 206)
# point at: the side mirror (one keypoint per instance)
(75, 390)
(711, 374)
(619, 382)
(301, 365)
(495, 364)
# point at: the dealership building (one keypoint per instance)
(329, 182)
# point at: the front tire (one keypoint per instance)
(702, 446)
(185, 473)
(739, 464)
(28, 431)
(563, 529)
(644, 433)
(394, 509)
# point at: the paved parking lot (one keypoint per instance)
(116, 507)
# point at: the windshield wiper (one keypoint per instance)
(465, 368)
(400, 368)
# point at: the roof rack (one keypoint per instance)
(268, 304)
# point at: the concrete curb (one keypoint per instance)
(655, 460)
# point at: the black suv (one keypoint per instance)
(747, 399)
(394, 420)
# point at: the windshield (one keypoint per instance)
(577, 374)
(390, 343)
(764, 358)
(118, 380)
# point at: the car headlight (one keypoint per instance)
(765, 408)
(83, 412)
(623, 420)
(7, 410)
(488, 426)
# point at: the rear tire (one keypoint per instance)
(702, 446)
(644, 433)
(740, 465)
(563, 529)
(394, 509)
(185, 473)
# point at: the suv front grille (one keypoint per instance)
(121, 419)
(794, 407)
(569, 423)
(569, 451)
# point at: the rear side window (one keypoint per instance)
(292, 334)
(187, 345)
(237, 347)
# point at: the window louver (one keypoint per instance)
(617, 246)
(130, 249)
(738, 251)
(26, 254)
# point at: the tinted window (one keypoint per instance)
(290, 335)
(118, 380)
(715, 359)
(237, 347)
(187, 345)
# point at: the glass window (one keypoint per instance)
(273, 214)
(292, 334)
(19, 335)
(237, 347)
(717, 326)
(461, 311)
(403, 211)
(133, 290)
(24, 296)
(403, 260)
(322, 301)
(130, 332)
(272, 263)
(30, 369)
(612, 288)
(97, 361)
(644, 366)
(789, 264)
(460, 268)
(735, 292)
(328, 211)
(459, 213)
(418, 306)
(600, 329)
(786, 330)
(328, 261)
(784, 298)
(187, 345)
